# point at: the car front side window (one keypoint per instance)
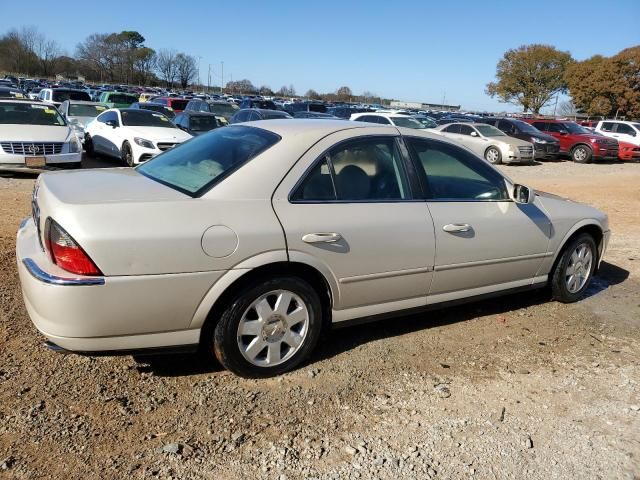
(454, 174)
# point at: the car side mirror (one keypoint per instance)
(474, 134)
(564, 132)
(523, 194)
(112, 123)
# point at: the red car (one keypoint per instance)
(176, 104)
(629, 152)
(576, 141)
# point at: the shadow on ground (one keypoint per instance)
(340, 340)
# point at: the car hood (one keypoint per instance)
(108, 185)
(84, 121)
(516, 142)
(35, 133)
(543, 136)
(159, 134)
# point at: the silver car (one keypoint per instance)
(250, 240)
(489, 142)
(78, 114)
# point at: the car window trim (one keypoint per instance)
(414, 195)
(422, 175)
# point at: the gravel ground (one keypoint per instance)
(517, 387)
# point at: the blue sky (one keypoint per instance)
(409, 50)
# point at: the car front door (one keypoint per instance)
(472, 139)
(349, 207)
(484, 241)
(626, 133)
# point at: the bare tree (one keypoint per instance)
(167, 66)
(186, 69)
(47, 52)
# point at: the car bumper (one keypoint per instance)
(11, 161)
(546, 152)
(516, 157)
(110, 313)
(605, 153)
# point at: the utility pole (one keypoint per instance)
(209, 79)
(222, 78)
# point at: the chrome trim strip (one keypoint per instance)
(441, 268)
(24, 222)
(39, 274)
(376, 276)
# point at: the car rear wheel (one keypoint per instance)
(268, 328)
(127, 154)
(581, 154)
(493, 155)
(574, 270)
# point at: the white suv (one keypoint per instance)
(622, 131)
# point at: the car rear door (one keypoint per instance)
(349, 208)
(484, 241)
(626, 133)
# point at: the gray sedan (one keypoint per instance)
(247, 242)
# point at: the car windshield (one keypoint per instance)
(200, 163)
(224, 109)
(525, 127)
(129, 99)
(489, 131)
(29, 114)
(270, 115)
(145, 118)
(427, 122)
(62, 95)
(202, 123)
(407, 122)
(158, 108)
(575, 128)
(80, 110)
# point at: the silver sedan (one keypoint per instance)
(489, 142)
(250, 240)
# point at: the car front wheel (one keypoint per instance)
(581, 154)
(574, 270)
(127, 154)
(493, 155)
(268, 328)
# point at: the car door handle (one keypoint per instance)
(457, 227)
(321, 237)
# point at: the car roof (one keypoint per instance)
(383, 114)
(83, 102)
(22, 100)
(193, 113)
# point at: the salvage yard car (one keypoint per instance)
(488, 142)
(35, 136)
(545, 146)
(250, 240)
(134, 136)
(79, 113)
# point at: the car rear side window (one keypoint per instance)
(607, 126)
(361, 170)
(197, 165)
(454, 174)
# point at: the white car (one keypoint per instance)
(35, 136)
(489, 142)
(132, 135)
(395, 119)
(79, 113)
(622, 131)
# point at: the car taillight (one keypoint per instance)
(66, 253)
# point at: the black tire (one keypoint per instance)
(127, 154)
(225, 342)
(581, 154)
(493, 155)
(88, 145)
(559, 288)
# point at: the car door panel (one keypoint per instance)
(385, 250)
(483, 239)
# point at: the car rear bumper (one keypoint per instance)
(111, 313)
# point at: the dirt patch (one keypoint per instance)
(517, 387)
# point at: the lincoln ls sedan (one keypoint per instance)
(248, 241)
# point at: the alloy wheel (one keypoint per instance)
(273, 328)
(578, 268)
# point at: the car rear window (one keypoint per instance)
(62, 95)
(178, 104)
(197, 165)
